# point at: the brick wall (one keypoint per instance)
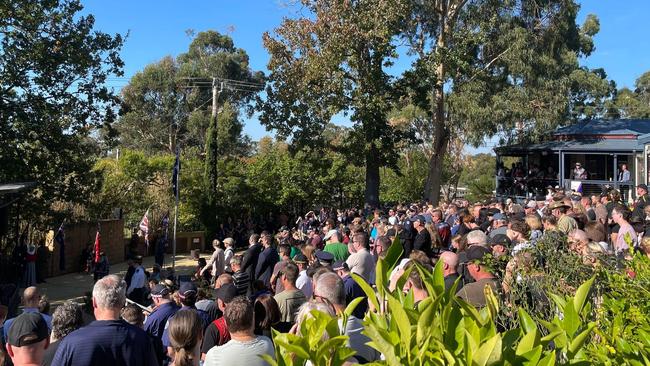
(77, 236)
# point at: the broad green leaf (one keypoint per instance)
(491, 303)
(571, 321)
(489, 352)
(381, 280)
(394, 254)
(424, 323)
(559, 300)
(548, 360)
(579, 340)
(372, 297)
(527, 323)
(438, 279)
(382, 344)
(527, 343)
(533, 355)
(581, 295)
(352, 305)
(551, 336)
(299, 351)
(399, 317)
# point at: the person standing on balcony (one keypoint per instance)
(579, 173)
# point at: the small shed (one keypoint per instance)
(605, 149)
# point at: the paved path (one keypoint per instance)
(73, 286)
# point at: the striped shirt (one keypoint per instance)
(241, 280)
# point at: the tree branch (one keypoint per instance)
(485, 67)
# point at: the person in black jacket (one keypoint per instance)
(422, 239)
(249, 261)
(266, 261)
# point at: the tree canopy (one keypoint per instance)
(53, 98)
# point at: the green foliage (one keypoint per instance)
(53, 69)
(582, 327)
(134, 182)
(624, 328)
(404, 184)
(478, 177)
(632, 103)
(330, 61)
(319, 341)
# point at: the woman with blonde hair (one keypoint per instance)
(185, 336)
(308, 251)
(535, 224)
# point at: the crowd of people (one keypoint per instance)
(225, 313)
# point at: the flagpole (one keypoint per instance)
(178, 177)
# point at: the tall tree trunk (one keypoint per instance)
(372, 176)
(440, 132)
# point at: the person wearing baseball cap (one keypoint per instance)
(304, 281)
(187, 292)
(335, 246)
(352, 289)
(216, 334)
(499, 225)
(27, 339)
(422, 239)
(473, 292)
(164, 308)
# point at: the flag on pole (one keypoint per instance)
(98, 247)
(144, 227)
(60, 241)
(175, 172)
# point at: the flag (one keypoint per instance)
(98, 247)
(144, 227)
(60, 241)
(175, 172)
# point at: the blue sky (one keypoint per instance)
(158, 28)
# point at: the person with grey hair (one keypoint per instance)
(477, 237)
(109, 340)
(329, 289)
(304, 312)
(66, 319)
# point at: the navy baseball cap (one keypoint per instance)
(26, 329)
(226, 292)
(340, 265)
(419, 218)
(160, 290)
(187, 289)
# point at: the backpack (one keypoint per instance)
(224, 334)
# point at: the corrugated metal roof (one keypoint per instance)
(607, 127)
(582, 145)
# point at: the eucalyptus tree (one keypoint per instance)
(53, 98)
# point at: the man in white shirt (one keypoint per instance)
(361, 261)
(244, 347)
(135, 292)
(303, 282)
